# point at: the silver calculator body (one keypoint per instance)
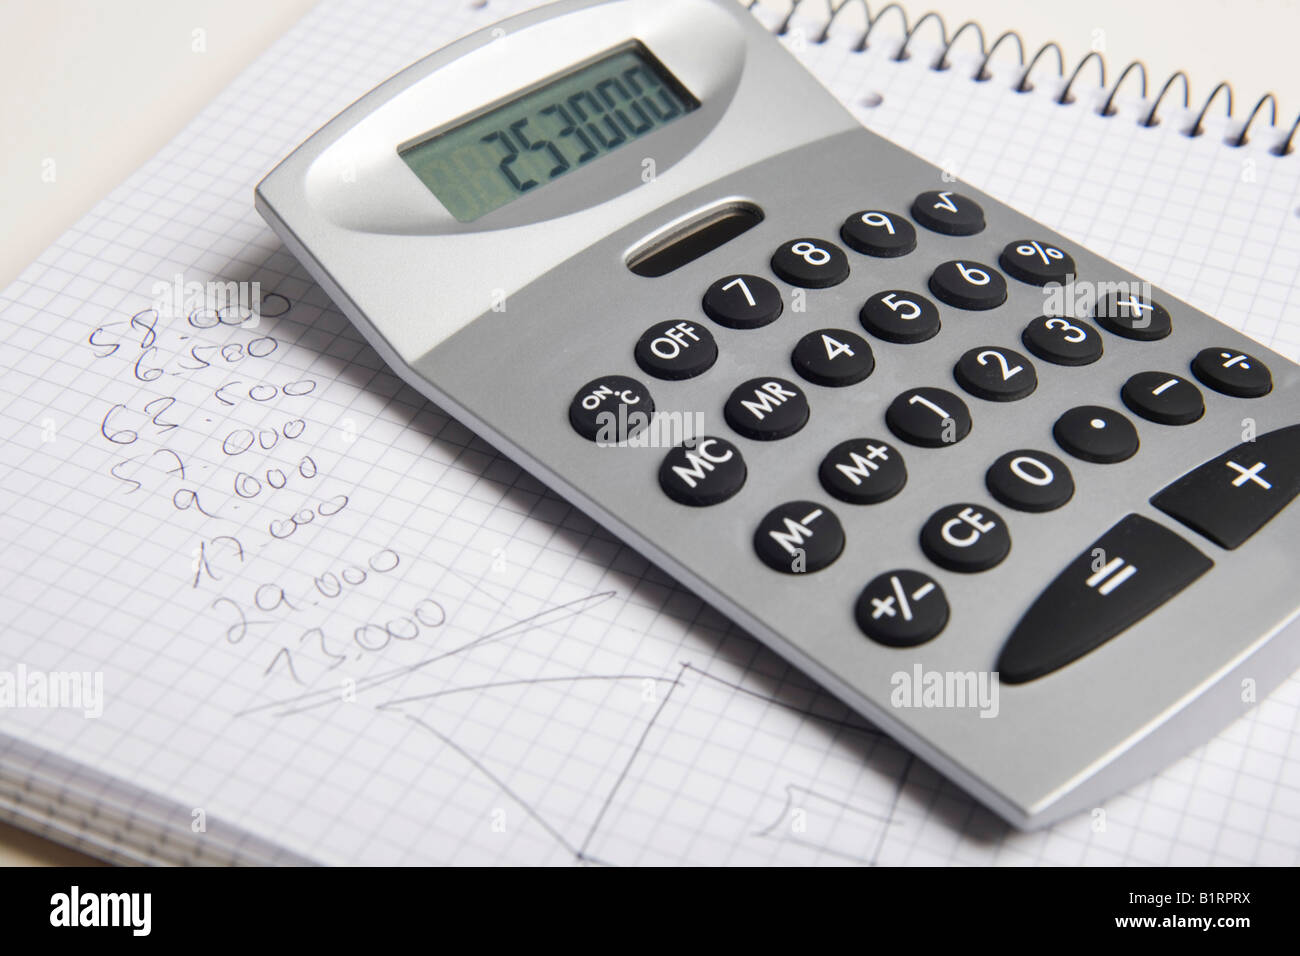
(503, 317)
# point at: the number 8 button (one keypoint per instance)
(811, 263)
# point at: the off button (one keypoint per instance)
(676, 349)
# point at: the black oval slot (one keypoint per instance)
(687, 242)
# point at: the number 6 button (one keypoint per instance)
(969, 285)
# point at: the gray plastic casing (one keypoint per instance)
(422, 287)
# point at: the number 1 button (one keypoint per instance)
(811, 263)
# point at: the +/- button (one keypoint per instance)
(1096, 434)
(799, 537)
(1232, 373)
(1123, 576)
(1230, 497)
(902, 608)
(676, 350)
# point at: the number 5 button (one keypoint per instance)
(995, 374)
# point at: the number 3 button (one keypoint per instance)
(995, 374)
(811, 263)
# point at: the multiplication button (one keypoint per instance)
(811, 263)
(766, 409)
(901, 608)
(1133, 316)
(702, 472)
(611, 409)
(742, 302)
(863, 471)
(1232, 373)
(799, 537)
(965, 538)
(676, 350)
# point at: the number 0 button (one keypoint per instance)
(811, 263)
(929, 417)
(611, 409)
(798, 537)
(1030, 480)
(742, 302)
(996, 374)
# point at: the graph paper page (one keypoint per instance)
(328, 614)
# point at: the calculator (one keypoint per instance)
(1024, 512)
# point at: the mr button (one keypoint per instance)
(965, 538)
(1229, 498)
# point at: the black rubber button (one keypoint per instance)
(966, 538)
(930, 417)
(996, 374)
(799, 537)
(611, 409)
(948, 212)
(1232, 373)
(863, 471)
(1062, 341)
(876, 233)
(902, 608)
(766, 409)
(900, 316)
(1133, 316)
(1119, 579)
(1163, 398)
(1096, 434)
(676, 350)
(1030, 480)
(1230, 497)
(1037, 262)
(811, 263)
(704, 471)
(968, 285)
(833, 357)
(742, 302)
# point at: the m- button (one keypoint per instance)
(1230, 497)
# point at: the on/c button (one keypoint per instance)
(1229, 498)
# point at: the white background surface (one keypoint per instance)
(95, 90)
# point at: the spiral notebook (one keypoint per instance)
(328, 624)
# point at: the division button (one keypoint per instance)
(1133, 316)
(863, 471)
(902, 608)
(965, 538)
(900, 316)
(799, 537)
(930, 417)
(876, 233)
(1029, 480)
(703, 471)
(1037, 262)
(1232, 373)
(1096, 434)
(948, 212)
(766, 409)
(1163, 398)
(833, 357)
(676, 350)
(1122, 577)
(996, 374)
(742, 302)
(611, 409)
(1062, 341)
(968, 285)
(1230, 497)
(811, 263)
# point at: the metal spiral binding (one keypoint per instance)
(910, 30)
